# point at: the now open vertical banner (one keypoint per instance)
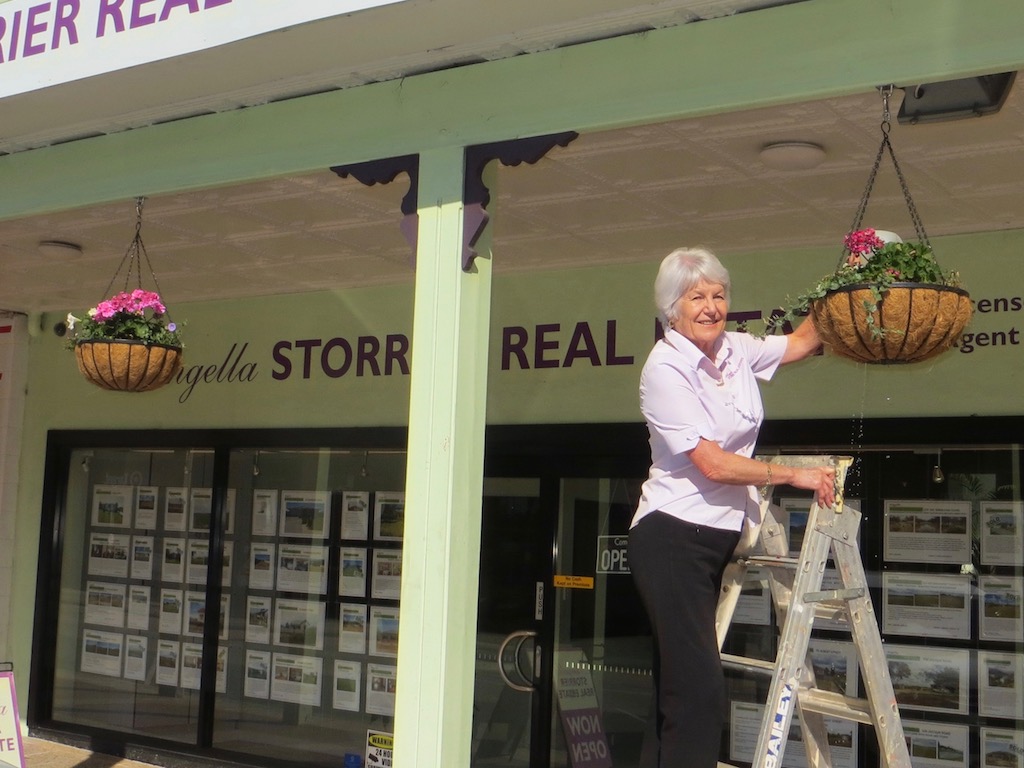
(12, 755)
(579, 711)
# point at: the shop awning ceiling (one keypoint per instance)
(369, 46)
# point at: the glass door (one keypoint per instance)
(601, 672)
(513, 690)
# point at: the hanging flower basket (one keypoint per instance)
(887, 301)
(127, 343)
(127, 366)
(912, 322)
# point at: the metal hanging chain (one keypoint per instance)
(886, 145)
(134, 255)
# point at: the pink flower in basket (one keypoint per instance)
(861, 244)
(134, 303)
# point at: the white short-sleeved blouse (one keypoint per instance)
(684, 396)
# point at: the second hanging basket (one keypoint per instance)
(127, 366)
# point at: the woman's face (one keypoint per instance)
(700, 315)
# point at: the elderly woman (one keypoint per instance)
(699, 395)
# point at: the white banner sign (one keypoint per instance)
(48, 43)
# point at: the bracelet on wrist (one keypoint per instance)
(767, 487)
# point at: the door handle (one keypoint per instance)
(519, 637)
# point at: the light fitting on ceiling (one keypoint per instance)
(938, 476)
(955, 99)
(792, 155)
(59, 250)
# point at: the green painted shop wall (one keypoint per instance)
(565, 347)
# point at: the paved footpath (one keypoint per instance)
(50, 754)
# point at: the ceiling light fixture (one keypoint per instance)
(938, 476)
(792, 155)
(59, 250)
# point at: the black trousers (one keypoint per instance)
(677, 568)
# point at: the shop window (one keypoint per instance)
(299, 553)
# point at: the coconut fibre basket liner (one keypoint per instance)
(918, 322)
(127, 366)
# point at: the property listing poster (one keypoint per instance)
(926, 605)
(261, 565)
(136, 650)
(105, 604)
(264, 512)
(108, 554)
(1002, 537)
(352, 574)
(387, 574)
(937, 745)
(835, 665)
(927, 531)
(793, 514)
(1001, 748)
(999, 608)
(304, 514)
(102, 652)
(352, 632)
(929, 678)
(347, 677)
(167, 662)
(383, 631)
(355, 515)
(145, 506)
(142, 558)
(380, 689)
(389, 515)
(1001, 684)
(257, 674)
(302, 568)
(297, 679)
(112, 506)
(745, 725)
(257, 623)
(754, 605)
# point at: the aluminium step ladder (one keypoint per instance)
(796, 594)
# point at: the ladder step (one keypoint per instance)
(761, 666)
(831, 704)
(770, 561)
(827, 703)
(832, 610)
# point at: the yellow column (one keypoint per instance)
(440, 573)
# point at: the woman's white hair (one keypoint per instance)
(680, 271)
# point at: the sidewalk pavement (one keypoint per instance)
(49, 754)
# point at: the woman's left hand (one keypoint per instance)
(820, 480)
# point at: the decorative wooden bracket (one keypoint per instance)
(385, 171)
(475, 194)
